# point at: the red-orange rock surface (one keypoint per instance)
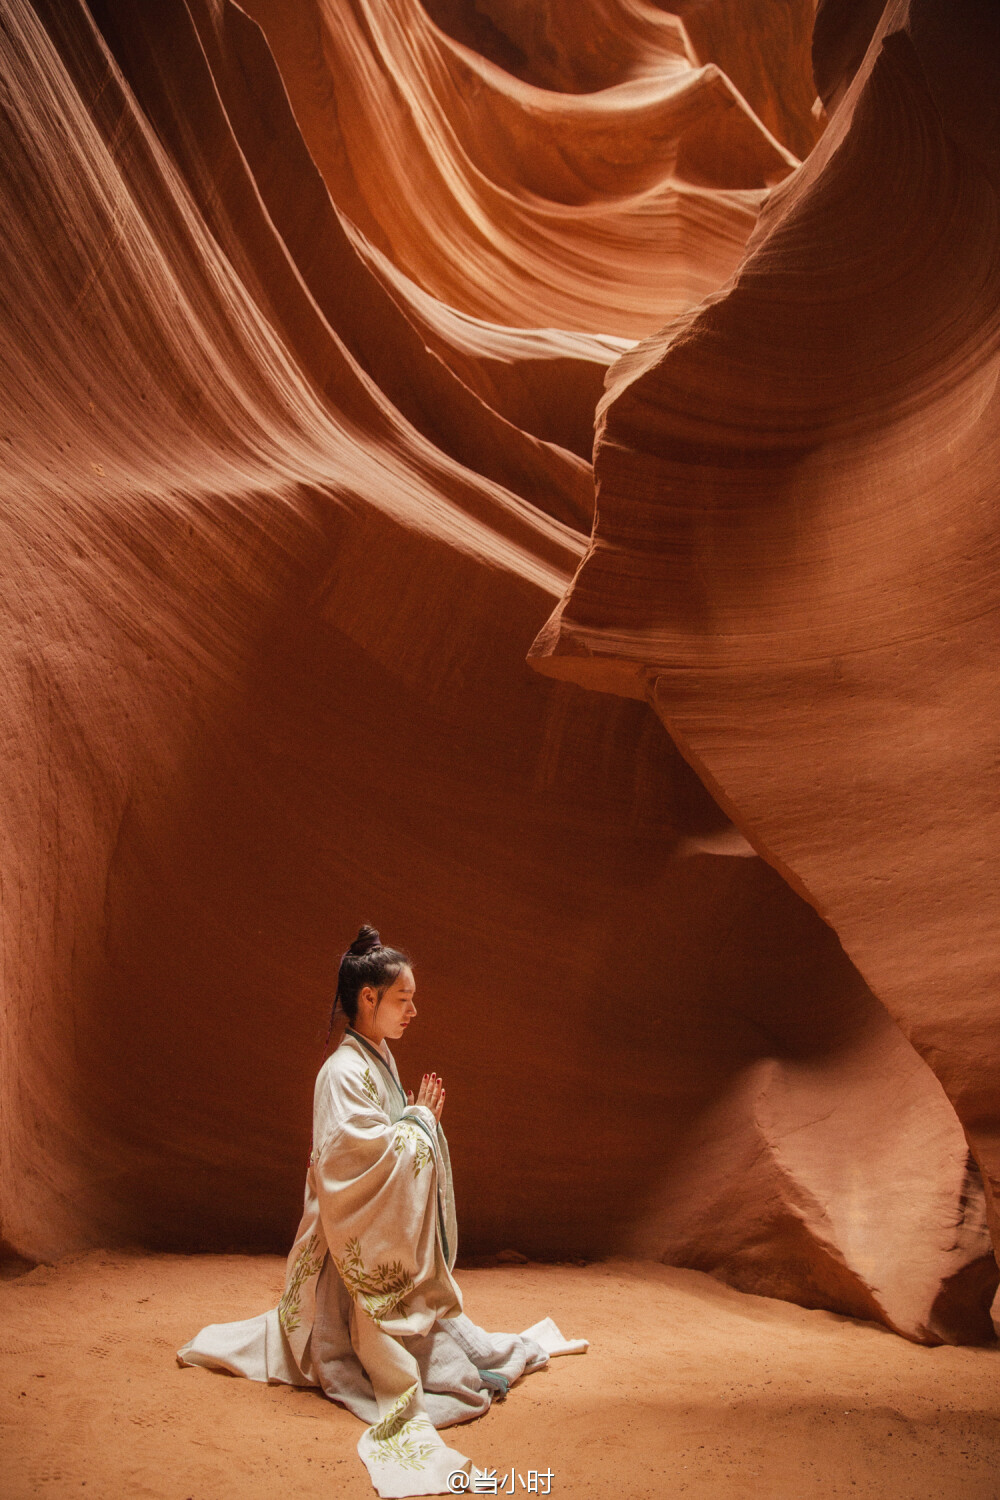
(298, 394)
(601, 212)
(795, 556)
(580, 46)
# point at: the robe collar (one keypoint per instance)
(379, 1057)
(366, 1043)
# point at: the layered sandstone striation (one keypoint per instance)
(795, 556)
(583, 46)
(308, 313)
(601, 212)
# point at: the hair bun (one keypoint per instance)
(366, 940)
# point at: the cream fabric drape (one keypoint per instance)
(370, 1309)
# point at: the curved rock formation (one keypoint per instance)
(795, 553)
(599, 213)
(281, 525)
(580, 46)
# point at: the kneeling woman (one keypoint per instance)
(370, 1311)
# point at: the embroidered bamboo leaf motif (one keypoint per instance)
(308, 1263)
(397, 1437)
(422, 1153)
(382, 1290)
(369, 1085)
(393, 1419)
(404, 1448)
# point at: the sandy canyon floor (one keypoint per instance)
(688, 1388)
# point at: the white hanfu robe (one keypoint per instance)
(370, 1310)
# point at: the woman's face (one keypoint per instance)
(397, 1009)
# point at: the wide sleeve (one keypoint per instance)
(377, 1185)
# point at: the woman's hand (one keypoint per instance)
(431, 1094)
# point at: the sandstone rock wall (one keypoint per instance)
(307, 315)
(795, 552)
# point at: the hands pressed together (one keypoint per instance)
(431, 1093)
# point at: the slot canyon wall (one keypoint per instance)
(680, 800)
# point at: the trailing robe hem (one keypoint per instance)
(370, 1310)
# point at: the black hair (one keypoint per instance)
(366, 961)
